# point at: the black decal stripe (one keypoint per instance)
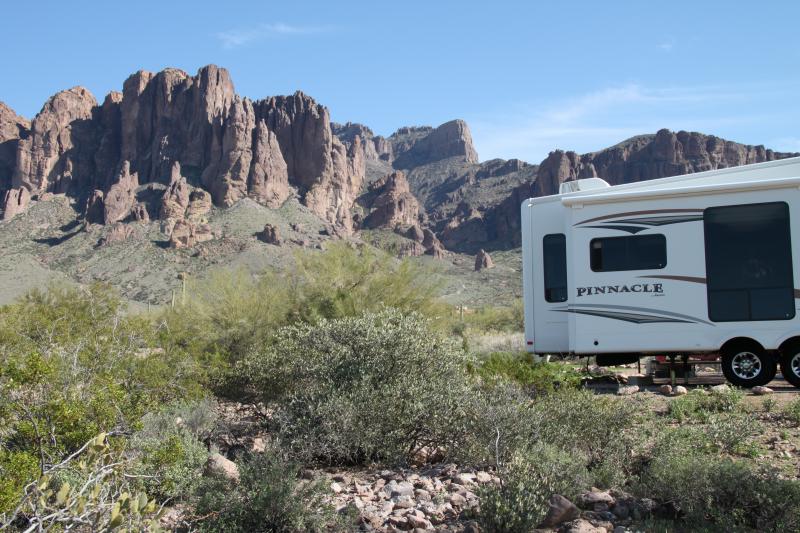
(639, 310)
(649, 212)
(659, 221)
(625, 317)
(690, 279)
(629, 229)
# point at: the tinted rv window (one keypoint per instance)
(749, 262)
(637, 252)
(555, 267)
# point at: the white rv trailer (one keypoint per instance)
(701, 263)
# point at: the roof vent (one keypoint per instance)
(587, 184)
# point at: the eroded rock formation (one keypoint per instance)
(393, 204)
(187, 132)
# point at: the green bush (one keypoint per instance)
(792, 411)
(519, 504)
(502, 420)
(231, 313)
(169, 450)
(722, 494)
(536, 377)
(599, 427)
(74, 364)
(375, 387)
(699, 404)
(485, 319)
(91, 490)
(268, 498)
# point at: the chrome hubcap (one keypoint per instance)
(795, 365)
(747, 365)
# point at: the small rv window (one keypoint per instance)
(555, 267)
(637, 252)
(749, 262)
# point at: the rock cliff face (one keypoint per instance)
(641, 158)
(649, 157)
(229, 146)
(411, 147)
(171, 145)
(393, 204)
(12, 129)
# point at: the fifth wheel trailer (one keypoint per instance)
(694, 264)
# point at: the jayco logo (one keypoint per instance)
(652, 288)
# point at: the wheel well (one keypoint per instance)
(740, 343)
(790, 345)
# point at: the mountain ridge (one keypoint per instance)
(162, 162)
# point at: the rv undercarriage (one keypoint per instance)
(741, 361)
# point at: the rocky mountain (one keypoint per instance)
(475, 225)
(112, 154)
(175, 173)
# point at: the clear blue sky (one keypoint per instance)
(528, 76)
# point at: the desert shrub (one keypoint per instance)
(73, 364)
(374, 387)
(596, 426)
(491, 318)
(502, 420)
(498, 421)
(519, 504)
(519, 367)
(268, 498)
(91, 490)
(732, 432)
(722, 494)
(169, 450)
(699, 404)
(231, 313)
(792, 411)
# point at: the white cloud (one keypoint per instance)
(238, 37)
(666, 46)
(602, 118)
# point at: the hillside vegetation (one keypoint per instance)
(362, 387)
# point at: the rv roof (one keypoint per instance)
(746, 176)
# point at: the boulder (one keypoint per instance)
(15, 201)
(582, 526)
(220, 467)
(119, 232)
(679, 390)
(121, 196)
(270, 235)
(94, 210)
(760, 390)
(394, 204)
(199, 205)
(186, 234)
(559, 510)
(415, 233)
(140, 213)
(483, 261)
(665, 389)
(627, 390)
(176, 197)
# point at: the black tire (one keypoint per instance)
(790, 365)
(748, 366)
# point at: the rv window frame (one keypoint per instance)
(628, 237)
(563, 238)
(788, 211)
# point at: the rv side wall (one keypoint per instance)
(640, 282)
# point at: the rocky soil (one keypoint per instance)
(438, 497)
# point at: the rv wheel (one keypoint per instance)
(790, 366)
(748, 366)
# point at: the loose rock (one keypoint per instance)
(560, 510)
